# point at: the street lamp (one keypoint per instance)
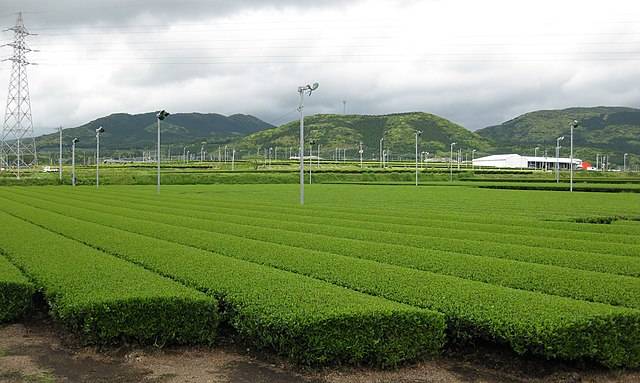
(418, 133)
(233, 159)
(311, 143)
(360, 152)
(473, 157)
(98, 131)
(624, 169)
(60, 156)
(451, 163)
(301, 91)
(73, 160)
(160, 116)
(574, 124)
(202, 144)
(558, 158)
(381, 153)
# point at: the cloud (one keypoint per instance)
(476, 63)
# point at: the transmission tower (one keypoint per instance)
(18, 146)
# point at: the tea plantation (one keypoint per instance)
(377, 275)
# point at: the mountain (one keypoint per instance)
(125, 132)
(602, 130)
(347, 131)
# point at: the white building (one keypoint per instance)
(517, 161)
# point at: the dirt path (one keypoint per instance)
(35, 352)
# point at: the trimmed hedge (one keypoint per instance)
(16, 292)
(104, 299)
(384, 242)
(529, 322)
(308, 321)
(578, 284)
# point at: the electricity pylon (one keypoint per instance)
(18, 146)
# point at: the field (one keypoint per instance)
(373, 275)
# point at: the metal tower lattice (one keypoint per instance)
(18, 146)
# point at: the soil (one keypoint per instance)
(37, 352)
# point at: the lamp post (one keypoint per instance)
(233, 159)
(98, 131)
(418, 133)
(311, 143)
(558, 158)
(624, 168)
(60, 156)
(473, 157)
(301, 91)
(73, 160)
(360, 152)
(202, 144)
(381, 153)
(451, 163)
(160, 116)
(574, 124)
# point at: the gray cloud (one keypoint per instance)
(478, 67)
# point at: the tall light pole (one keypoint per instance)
(624, 168)
(60, 156)
(160, 116)
(301, 91)
(202, 144)
(451, 163)
(558, 158)
(233, 159)
(381, 153)
(361, 152)
(73, 160)
(418, 133)
(98, 131)
(473, 157)
(311, 143)
(574, 124)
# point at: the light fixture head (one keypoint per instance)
(162, 115)
(75, 140)
(100, 130)
(561, 138)
(315, 86)
(419, 132)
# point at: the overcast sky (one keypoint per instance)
(477, 63)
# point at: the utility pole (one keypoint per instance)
(301, 92)
(574, 124)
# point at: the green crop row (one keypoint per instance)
(552, 326)
(423, 237)
(429, 217)
(404, 225)
(102, 298)
(15, 292)
(308, 321)
(344, 239)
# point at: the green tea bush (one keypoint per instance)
(16, 292)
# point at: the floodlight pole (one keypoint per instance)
(160, 116)
(574, 124)
(624, 168)
(558, 158)
(361, 152)
(98, 131)
(233, 159)
(381, 153)
(301, 91)
(418, 133)
(473, 157)
(73, 161)
(60, 156)
(451, 163)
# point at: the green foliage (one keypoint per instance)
(125, 132)
(104, 299)
(308, 321)
(604, 130)
(347, 131)
(529, 322)
(15, 292)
